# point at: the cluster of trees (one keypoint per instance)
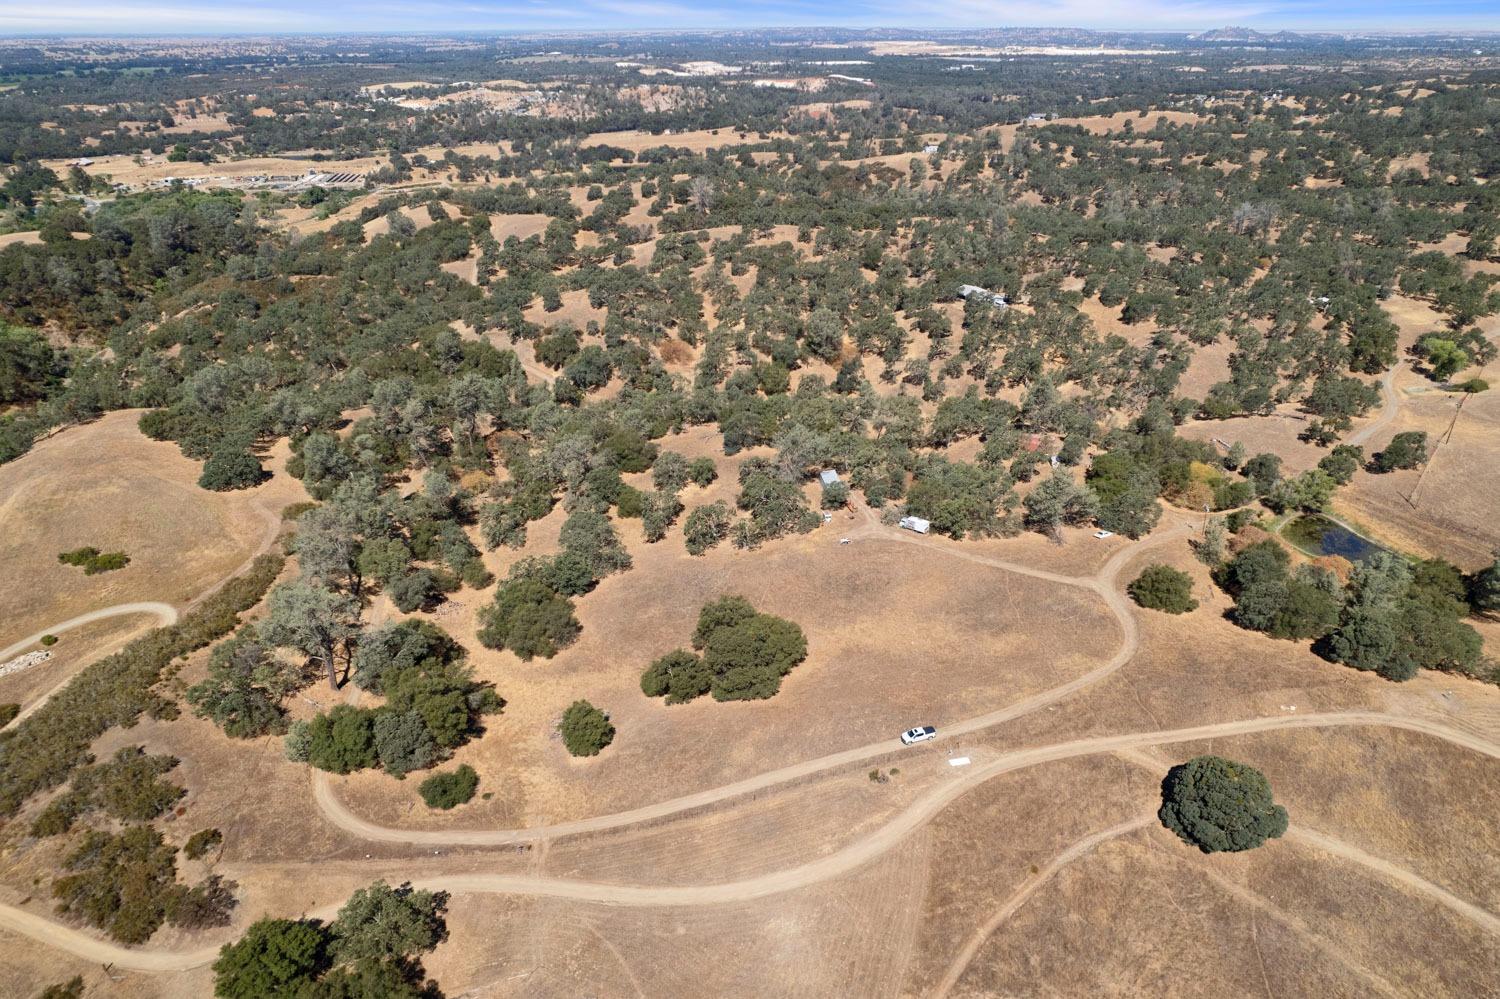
(741, 655)
(125, 883)
(1392, 617)
(432, 705)
(373, 947)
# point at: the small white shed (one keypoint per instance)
(916, 524)
(828, 477)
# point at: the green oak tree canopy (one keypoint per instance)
(1220, 805)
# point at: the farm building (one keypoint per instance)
(930, 148)
(916, 524)
(828, 477)
(983, 294)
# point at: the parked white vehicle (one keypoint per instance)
(922, 733)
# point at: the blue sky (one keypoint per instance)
(22, 17)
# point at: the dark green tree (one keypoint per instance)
(1220, 805)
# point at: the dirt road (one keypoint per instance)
(1387, 412)
(842, 861)
(165, 613)
(961, 961)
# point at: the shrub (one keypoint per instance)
(658, 514)
(585, 729)
(92, 561)
(1406, 450)
(1473, 385)
(529, 618)
(702, 471)
(1220, 805)
(449, 790)
(8, 713)
(341, 741)
(1160, 587)
(48, 641)
(679, 676)
(705, 527)
(201, 842)
(227, 470)
(208, 903)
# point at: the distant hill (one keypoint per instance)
(1233, 34)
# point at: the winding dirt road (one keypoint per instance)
(842, 861)
(165, 613)
(1388, 411)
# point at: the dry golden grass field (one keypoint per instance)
(109, 486)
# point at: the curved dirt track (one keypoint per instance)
(1101, 583)
(842, 861)
(960, 963)
(1388, 411)
(165, 613)
(93, 949)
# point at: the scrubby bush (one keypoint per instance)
(92, 561)
(126, 884)
(706, 526)
(529, 618)
(451, 789)
(341, 741)
(201, 842)
(702, 471)
(585, 729)
(1220, 805)
(1163, 588)
(1406, 450)
(127, 788)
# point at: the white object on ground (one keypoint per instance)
(959, 761)
(26, 661)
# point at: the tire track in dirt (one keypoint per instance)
(965, 956)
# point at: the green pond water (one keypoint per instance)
(1317, 535)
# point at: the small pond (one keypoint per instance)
(1317, 535)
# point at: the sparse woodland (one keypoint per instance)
(795, 291)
